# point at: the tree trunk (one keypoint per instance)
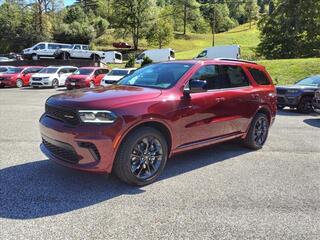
(185, 19)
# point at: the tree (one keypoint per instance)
(161, 33)
(217, 14)
(271, 7)
(251, 8)
(292, 30)
(187, 10)
(134, 17)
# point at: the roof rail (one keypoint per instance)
(236, 60)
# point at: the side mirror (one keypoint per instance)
(198, 86)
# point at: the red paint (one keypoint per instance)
(82, 81)
(202, 119)
(10, 80)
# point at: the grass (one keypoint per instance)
(288, 71)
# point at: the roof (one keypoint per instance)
(226, 61)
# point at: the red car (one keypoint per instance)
(86, 77)
(121, 45)
(131, 128)
(18, 76)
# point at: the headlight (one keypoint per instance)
(293, 91)
(96, 116)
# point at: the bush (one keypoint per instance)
(146, 61)
(131, 61)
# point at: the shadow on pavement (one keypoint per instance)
(313, 122)
(43, 188)
(292, 112)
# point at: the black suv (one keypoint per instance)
(300, 95)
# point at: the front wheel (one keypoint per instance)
(142, 157)
(258, 132)
(55, 83)
(19, 83)
(305, 105)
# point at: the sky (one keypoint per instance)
(68, 2)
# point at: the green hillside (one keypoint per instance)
(191, 45)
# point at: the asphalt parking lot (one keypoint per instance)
(221, 192)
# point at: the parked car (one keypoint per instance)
(316, 101)
(6, 59)
(18, 76)
(230, 51)
(43, 50)
(81, 51)
(121, 45)
(3, 69)
(115, 75)
(157, 55)
(132, 127)
(52, 76)
(299, 95)
(86, 77)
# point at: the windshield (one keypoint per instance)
(310, 81)
(161, 75)
(49, 70)
(14, 70)
(83, 71)
(118, 72)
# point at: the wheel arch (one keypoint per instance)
(156, 124)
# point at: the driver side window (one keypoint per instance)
(210, 74)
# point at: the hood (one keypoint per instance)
(6, 75)
(299, 87)
(103, 97)
(82, 77)
(112, 78)
(42, 75)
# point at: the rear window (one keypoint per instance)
(83, 71)
(259, 76)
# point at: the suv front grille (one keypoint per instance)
(281, 91)
(62, 114)
(61, 150)
(36, 79)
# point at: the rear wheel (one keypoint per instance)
(305, 105)
(258, 132)
(142, 157)
(19, 83)
(55, 83)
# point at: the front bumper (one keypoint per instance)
(288, 100)
(80, 84)
(84, 147)
(40, 83)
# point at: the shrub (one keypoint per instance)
(131, 61)
(146, 61)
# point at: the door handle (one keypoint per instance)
(220, 99)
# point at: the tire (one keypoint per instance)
(55, 83)
(34, 57)
(144, 167)
(258, 132)
(280, 107)
(91, 84)
(19, 83)
(95, 57)
(305, 105)
(69, 87)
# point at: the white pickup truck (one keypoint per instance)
(83, 52)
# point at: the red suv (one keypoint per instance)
(132, 127)
(86, 77)
(18, 76)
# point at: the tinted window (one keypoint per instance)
(259, 76)
(104, 71)
(83, 71)
(84, 47)
(40, 47)
(118, 72)
(14, 70)
(141, 56)
(53, 46)
(48, 70)
(118, 56)
(162, 75)
(3, 69)
(209, 73)
(77, 47)
(233, 76)
(172, 54)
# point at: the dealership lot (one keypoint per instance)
(221, 192)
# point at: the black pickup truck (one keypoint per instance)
(300, 95)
